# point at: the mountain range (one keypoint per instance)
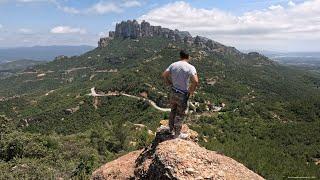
(67, 117)
(305, 60)
(41, 53)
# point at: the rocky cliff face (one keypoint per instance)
(170, 158)
(133, 30)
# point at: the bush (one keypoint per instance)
(14, 149)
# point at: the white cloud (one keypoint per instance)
(276, 25)
(67, 30)
(104, 7)
(276, 7)
(103, 34)
(101, 7)
(70, 10)
(131, 3)
(2, 29)
(25, 31)
(66, 9)
(290, 3)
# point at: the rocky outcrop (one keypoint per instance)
(60, 57)
(168, 158)
(103, 42)
(71, 110)
(133, 30)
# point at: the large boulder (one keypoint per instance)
(168, 158)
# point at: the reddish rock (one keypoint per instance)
(169, 158)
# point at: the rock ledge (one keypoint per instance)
(169, 158)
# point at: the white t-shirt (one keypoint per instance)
(181, 71)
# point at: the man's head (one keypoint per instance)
(184, 55)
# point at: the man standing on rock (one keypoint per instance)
(178, 76)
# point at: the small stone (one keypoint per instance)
(150, 132)
(190, 170)
(199, 178)
(221, 174)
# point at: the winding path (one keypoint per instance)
(152, 103)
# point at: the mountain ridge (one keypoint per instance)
(42, 53)
(131, 29)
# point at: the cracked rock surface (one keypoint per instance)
(168, 158)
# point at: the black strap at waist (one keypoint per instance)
(179, 91)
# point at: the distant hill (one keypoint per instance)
(18, 65)
(41, 53)
(275, 54)
(306, 60)
(8, 69)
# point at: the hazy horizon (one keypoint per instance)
(94, 46)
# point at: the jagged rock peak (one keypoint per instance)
(168, 158)
(133, 30)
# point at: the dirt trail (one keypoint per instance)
(152, 103)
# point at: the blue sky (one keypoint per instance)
(283, 25)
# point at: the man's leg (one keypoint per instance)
(178, 125)
(173, 113)
(181, 112)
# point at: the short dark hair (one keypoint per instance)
(184, 54)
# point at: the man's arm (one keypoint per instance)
(166, 77)
(194, 84)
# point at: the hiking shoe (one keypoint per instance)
(183, 136)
